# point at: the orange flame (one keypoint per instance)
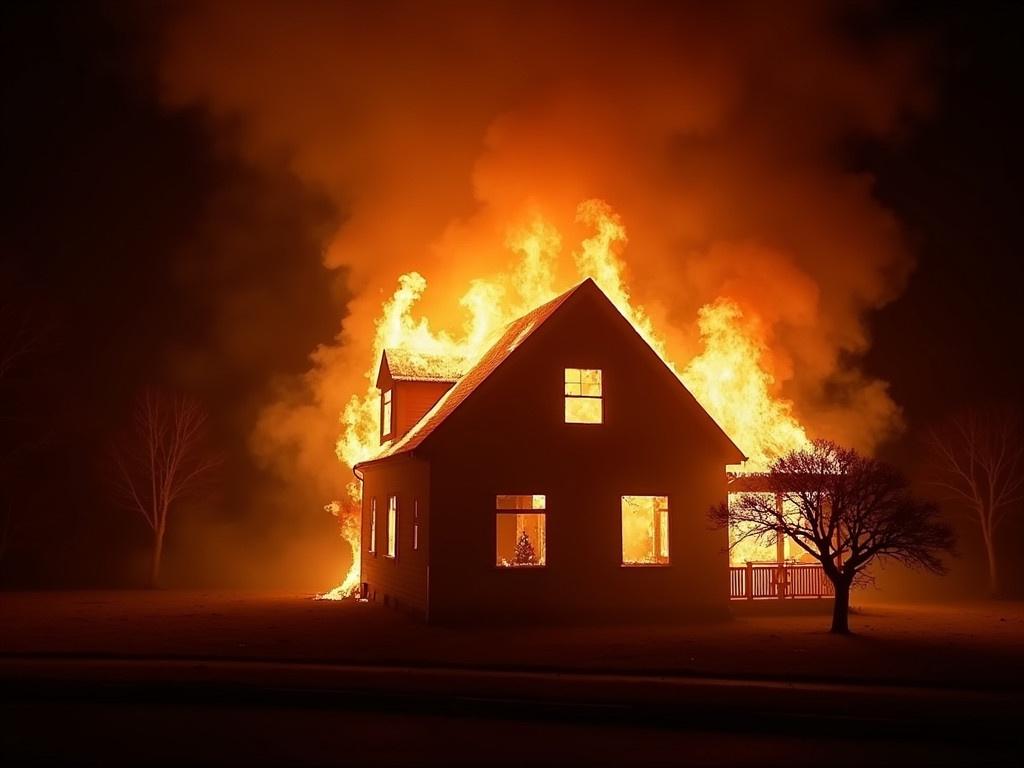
(728, 377)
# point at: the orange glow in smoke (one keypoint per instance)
(727, 377)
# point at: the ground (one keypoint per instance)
(967, 644)
(915, 683)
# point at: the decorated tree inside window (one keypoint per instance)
(524, 554)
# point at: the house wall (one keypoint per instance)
(399, 582)
(509, 437)
(412, 399)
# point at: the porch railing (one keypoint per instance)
(764, 581)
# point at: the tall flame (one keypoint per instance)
(728, 377)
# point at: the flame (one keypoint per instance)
(728, 377)
(350, 520)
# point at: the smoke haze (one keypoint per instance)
(720, 135)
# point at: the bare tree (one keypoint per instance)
(162, 461)
(843, 509)
(979, 461)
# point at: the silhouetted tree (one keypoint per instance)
(843, 509)
(162, 460)
(978, 459)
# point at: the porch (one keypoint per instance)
(762, 571)
(778, 581)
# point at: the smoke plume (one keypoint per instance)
(720, 134)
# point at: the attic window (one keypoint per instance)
(583, 396)
(385, 418)
(521, 532)
(645, 530)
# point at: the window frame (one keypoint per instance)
(373, 526)
(387, 412)
(415, 525)
(575, 390)
(661, 515)
(532, 510)
(391, 528)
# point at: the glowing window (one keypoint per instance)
(645, 530)
(521, 534)
(385, 419)
(415, 524)
(373, 526)
(583, 396)
(392, 525)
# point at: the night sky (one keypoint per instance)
(138, 237)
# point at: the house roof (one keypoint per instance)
(407, 365)
(514, 335)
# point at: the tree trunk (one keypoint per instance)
(158, 553)
(841, 609)
(993, 569)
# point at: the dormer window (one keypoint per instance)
(583, 396)
(385, 416)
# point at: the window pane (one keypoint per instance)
(572, 382)
(392, 525)
(386, 418)
(373, 525)
(645, 530)
(591, 382)
(521, 540)
(583, 410)
(536, 501)
(663, 534)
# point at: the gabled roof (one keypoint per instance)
(406, 365)
(515, 333)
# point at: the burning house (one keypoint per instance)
(566, 475)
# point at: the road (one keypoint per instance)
(214, 711)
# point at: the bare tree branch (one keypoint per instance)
(161, 461)
(843, 509)
(978, 461)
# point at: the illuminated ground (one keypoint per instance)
(964, 644)
(214, 678)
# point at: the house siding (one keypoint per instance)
(512, 439)
(399, 582)
(509, 437)
(413, 399)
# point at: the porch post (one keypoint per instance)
(749, 580)
(780, 540)
(780, 554)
